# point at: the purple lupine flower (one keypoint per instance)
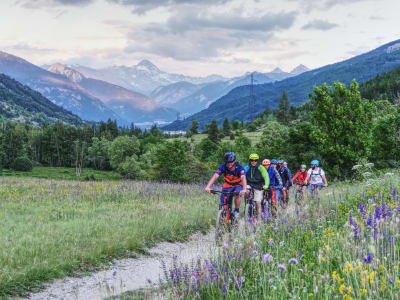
(383, 207)
(377, 213)
(363, 196)
(271, 242)
(369, 220)
(379, 194)
(149, 280)
(156, 286)
(114, 273)
(368, 259)
(391, 280)
(282, 267)
(361, 208)
(375, 235)
(394, 192)
(267, 257)
(351, 220)
(388, 213)
(396, 198)
(293, 261)
(224, 289)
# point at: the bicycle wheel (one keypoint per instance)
(220, 226)
(298, 197)
(281, 202)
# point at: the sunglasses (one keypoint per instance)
(251, 160)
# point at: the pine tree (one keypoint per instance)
(226, 127)
(283, 112)
(213, 131)
(195, 127)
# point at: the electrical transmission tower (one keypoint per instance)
(251, 100)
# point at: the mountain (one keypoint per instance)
(144, 77)
(189, 98)
(383, 87)
(132, 106)
(59, 89)
(299, 69)
(235, 105)
(21, 104)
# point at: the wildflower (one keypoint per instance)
(301, 270)
(368, 259)
(149, 280)
(293, 261)
(398, 281)
(363, 291)
(342, 288)
(156, 287)
(267, 258)
(271, 242)
(381, 267)
(282, 267)
(114, 273)
(310, 294)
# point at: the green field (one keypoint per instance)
(49, 229)
(63, 174)
(347, 246)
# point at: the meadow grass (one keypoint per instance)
(347, 246)
(254, 138)
(50, 229)
(63, 174)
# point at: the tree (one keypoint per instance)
(235, 125)
(207, 148)
(283, 111)
(213, 131)
(172, 161)
(195, 127)
(226, 127)
(122, 148)
(98, 153)
(343, 122)
(273, 141)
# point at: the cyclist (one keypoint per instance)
(317, 178)
(257, 178)
(286, 176)
(234, 180)
(301, 177)
(275, 185)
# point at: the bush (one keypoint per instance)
(22, 164)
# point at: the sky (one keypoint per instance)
(196, 37)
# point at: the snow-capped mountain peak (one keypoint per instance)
(146, 65)
(299, 69)
(71, 74)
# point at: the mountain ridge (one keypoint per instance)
(234, 105)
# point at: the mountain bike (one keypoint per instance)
(279, 196)
(250, 211)
(225, 217)
(299, 195)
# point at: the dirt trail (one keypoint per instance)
(129, 274)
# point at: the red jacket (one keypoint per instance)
(301, 177)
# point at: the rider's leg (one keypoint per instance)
(258, 197)
(274, 204)
(237, 206)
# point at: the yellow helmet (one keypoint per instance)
(254, 156)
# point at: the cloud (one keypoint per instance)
(197, 35)
(319, 25)
(36, 4)
(309, 5)
(142, 6)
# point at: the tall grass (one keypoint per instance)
(347, 246)
(50, 229)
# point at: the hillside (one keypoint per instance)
(57, 88)
(20, 103)
(383, 87)
(235, 105)
(131, 106)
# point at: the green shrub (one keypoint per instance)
(22, 164)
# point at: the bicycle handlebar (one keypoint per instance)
(223, 192)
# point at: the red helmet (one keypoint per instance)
(266, 162)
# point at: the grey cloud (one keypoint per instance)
(195, 35)
(33, 4)
(319, 25)
(142, 6)
(308, 5)
(267, 22)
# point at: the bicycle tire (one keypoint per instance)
(220, 226)
(298, 197)
(281, 202)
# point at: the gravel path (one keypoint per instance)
(128, 274)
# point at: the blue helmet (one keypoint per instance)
(315, 162)
(229, 157)
(274, 161)
(280, 162)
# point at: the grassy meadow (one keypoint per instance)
(63, 174)
(347, 246)
(50, 229)
(254, 137)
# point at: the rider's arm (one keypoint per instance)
(278, 177)
(308, 177)
(290, 177)
(244, 183)
(296, 176)
(324, 180)
(264, 175)
(211, 182)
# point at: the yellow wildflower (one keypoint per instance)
(363, 291)
(381, 267)
(342, 288)
(396, 267)
(347, 297)
(398, 281)
(310, 294)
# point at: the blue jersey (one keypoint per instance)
(232, 178)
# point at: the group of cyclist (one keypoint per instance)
(267, 180)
